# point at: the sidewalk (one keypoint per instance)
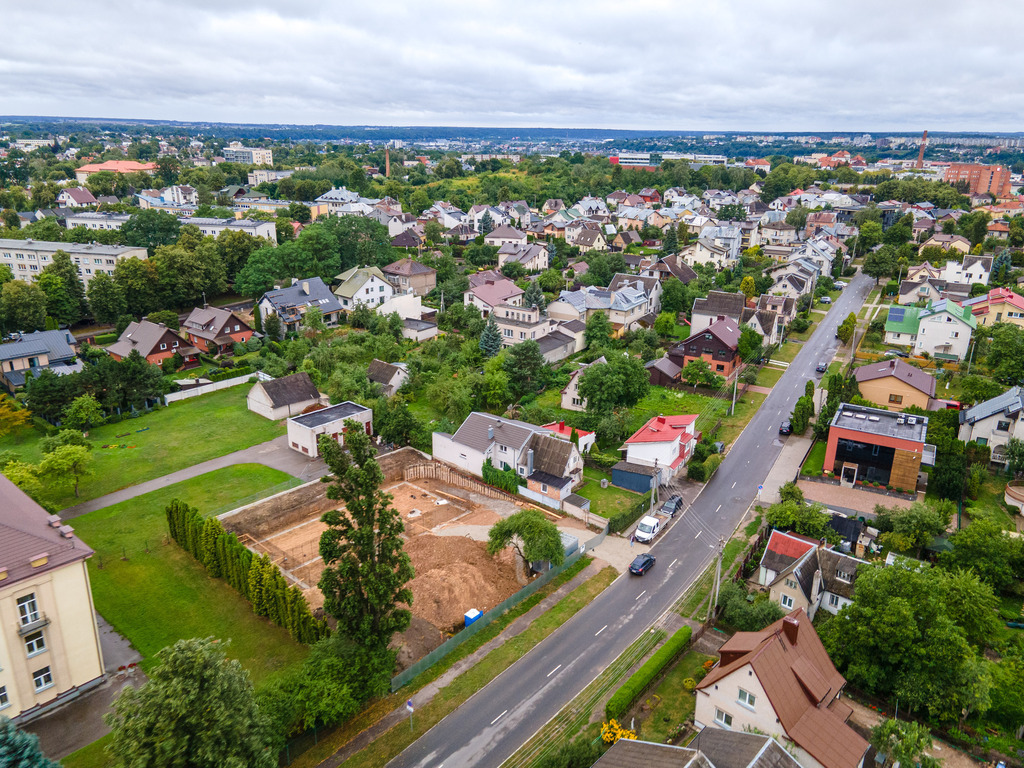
(786, 467)
(273, 453)
(426, 694)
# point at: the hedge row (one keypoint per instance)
(105, 338)
(620, 521)
(255, 578)
(623, 699)
(230, 373)
(702, 471)
(505, 479)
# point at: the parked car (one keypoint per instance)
(785, 428)
(642, 564)
(672, 506)
(826, 299)
(840, 284)
(648, 528)
(821, 367)
(896, 353)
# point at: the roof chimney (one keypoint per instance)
(305, 287)
(561, 426)
(791, 627)
(490, 433)
(67, 531)
(529, 462)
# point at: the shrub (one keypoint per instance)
(696, 471)
(799, 325)
(620, 521)
(689, 683)
(105, 338)
(505, 479)
(711, 464)
(623, 699)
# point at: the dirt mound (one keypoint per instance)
(455, 574)
(416, 642)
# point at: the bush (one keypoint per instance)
(623, 699)
(622, 520)
(230, 373)
(105, 338)
(799, 325)
(695, 471)
(711, 464)
(505, 479)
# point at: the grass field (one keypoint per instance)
(605, 501)
(183, 434)
(746, 407)
(787, 352)
(815, 461)
(768, 376)
(671, 704)
(162, 595)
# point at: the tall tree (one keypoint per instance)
(880, 263)
(139, 284)
(490, 338)
(106, 299)
(530, 534)
(11, 416)
(62, 266)
(598, 331)
(534, 296)
(150, 229)
(67, 465)
(198, 709)
(620, 383)
(901, 742)
(23, 306)
(526, 367)
(83, 413)
(364, 582)
(19, 749)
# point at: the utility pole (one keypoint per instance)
(654, 485)
(718, 577)
(735, 382)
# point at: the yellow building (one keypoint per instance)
(895, 385)
(49, 641)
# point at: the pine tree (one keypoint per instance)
(256, 587)
(486, 223)
(574, 438)
(212, 531)
(20, 749)
(670, 243)
(490, 338)
(534, 296)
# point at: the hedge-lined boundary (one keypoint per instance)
(623, 699)
(620, 521)
(257, 579)
(505, 479)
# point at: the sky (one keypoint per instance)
(765, 65)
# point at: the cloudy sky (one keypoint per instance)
(768, 65)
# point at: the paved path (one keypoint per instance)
(786, 467)
(273, 453)
(837, 496)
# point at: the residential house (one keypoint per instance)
(75, 197)
(475, 216)
(215, 331)
(716, 345)
(305, 429)
(650, 287)
(97, 220)
(50, 641)
(552, 205)
(662, 372)
(363, 285)
(781, 553)
(626, 307)
(877, 446)
(670, 266)
(765, 322)
(942, 329)
(657, 451)
(895, 385)
(281, 398)
(918, 273)
(714, 749)
(585, 439)
(946, 243)
(153, 341)
(532, 256)
(252, 227)
(994, 422)
(389, 376)
(973, 269)
(557, 345)
(516, 323)
(626, 238)
(492, 292)
(818, 220)
(650, 195)
(409, 275)
(551, 467)
(821, 578)
(931, 290)
(461, 233)
(794, 279)
(591, 240)
(705, 251)
(717, 305)
(783, 306)
(571, 399)
(505, 234)
(728, 237)
(30, 353)
(780, 681)
(83, 173)
(27, 258)
(292, 302)
(591, 206)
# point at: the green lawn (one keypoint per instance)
(183, 434)
(815, 462)
(671, 704)
(162, 595)
(787, 351)
(661, 401)
(90, 756)
(769, 377)
(989, 503)
(605, 501)
(746, 407)
(805, 335)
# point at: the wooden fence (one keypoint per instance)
(451, 476)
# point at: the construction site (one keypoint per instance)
(446, 517)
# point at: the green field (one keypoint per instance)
(671, 704)
(815, 462)
(183, 434)
(787, 352)
(768, 376)
(154, 594)
(605, 501)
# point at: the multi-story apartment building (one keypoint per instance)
(994, 179)
(27, 258)
(236, 153)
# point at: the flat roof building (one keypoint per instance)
(872, 445)
(27, 258)
(303, 430)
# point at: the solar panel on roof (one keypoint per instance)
(896, 314)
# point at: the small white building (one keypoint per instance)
(304, 430)
(280, 398)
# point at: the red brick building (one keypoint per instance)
(717, 345)
(154, 341)
(994, 179)
(215, 330)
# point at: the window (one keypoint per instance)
(5, 700)
(42, 679)
(35, 643)
(844, 576)
(787, 601)
(502, 448)
(833, 600)
(896, 399)
(719, 367)
(236, 326)
(723, 718)
(747, 698)
(982, 440)
(543, 487)
(28, 610)
(1002, 426)
(954, 334)
(163, 345)
(790, 583)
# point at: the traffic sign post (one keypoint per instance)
(759, 489)
(408, 705)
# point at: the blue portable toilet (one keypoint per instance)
(472, 615)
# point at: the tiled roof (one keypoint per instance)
(407, 268)
(496, 292)
(474, 431)
(720, 303)
(727, 331)
(289, 390)
(56, 345)
(380, 372)
(784, 549)
(144, 337)
(354, 279)
(905, 372)
(662, 429)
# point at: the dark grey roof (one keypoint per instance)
(664, 365)
(734, 749)
(289, 390)
(627, 753)
(720, 303)
(574, 326)
(849, 528)
(1008, 403)
(831, 564)
(549, 479)
(874, 421)
(381, 372)
(338, 412)
(283, 300)
(473, 432)
(636, 469)
(577, 501)
(550, 454)
(418, 325)
(553, 341)
(56, 344)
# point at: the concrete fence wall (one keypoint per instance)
(214, 386)
(281, 510)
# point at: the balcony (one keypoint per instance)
(32, 626)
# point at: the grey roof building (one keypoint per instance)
(292, 302)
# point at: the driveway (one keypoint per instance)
(273, 453)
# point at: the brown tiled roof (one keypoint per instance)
(801, 683)
(380, 372)
(26, 535)
(727, 331)
(144, 337)
(720, 303)
(289, 390)
(905, 372)
(407, 268)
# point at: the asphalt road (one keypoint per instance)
(496, 721)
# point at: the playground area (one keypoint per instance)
(454, 573)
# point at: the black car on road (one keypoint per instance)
(642, 564)
(821, 368)
(785, 428)
(672, 506)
